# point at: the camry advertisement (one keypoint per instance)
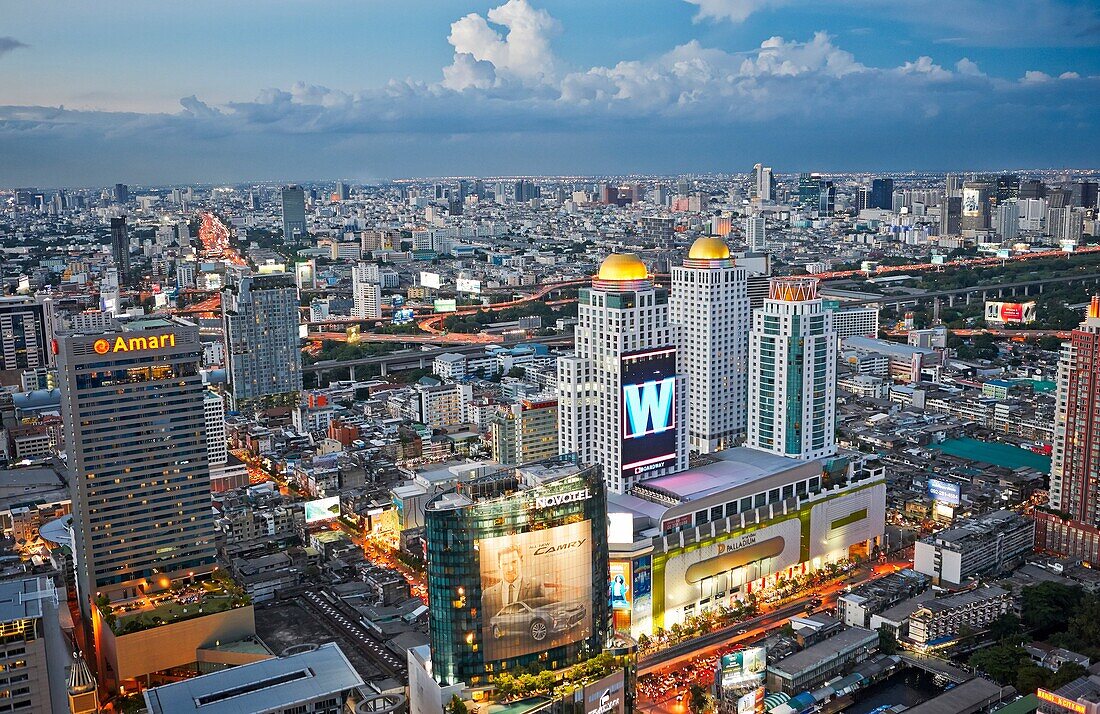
(648, 410)
(536, 590)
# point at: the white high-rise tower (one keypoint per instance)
(754, 233)
(710, 306)
(792, 372)
(622, 402)
(366, 291)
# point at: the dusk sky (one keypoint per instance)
(238, 90)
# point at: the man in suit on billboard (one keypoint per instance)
(513, 585)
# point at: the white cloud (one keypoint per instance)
(523, 53)
(732, 10)
(926, 67)
(1069, 75)
(777, 56)
(1035, 77)
(968, 68)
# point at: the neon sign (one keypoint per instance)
(133, 344)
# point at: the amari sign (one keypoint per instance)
(104, 346)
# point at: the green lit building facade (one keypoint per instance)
(517, 572)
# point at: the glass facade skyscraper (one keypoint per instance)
(293, 202)
(135, 434)
(517, 575)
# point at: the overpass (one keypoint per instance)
(1018, 289)
(419, 359)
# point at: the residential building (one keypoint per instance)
(792, 372)
(260, 319)
(30, 647)
(941, 620)
(755, 236)
(366, 292)
(217, 448)
(25, 332)
(709, 305)
(622, 396)
(524, 432)
(975, 546)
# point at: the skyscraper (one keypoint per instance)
(622, 400)
(882, 193)
(135, 434)
(754, 233)
(658, 230)
(976, 205)
(950, 216)
(710, 306)
(792, 372)
(293, 202)
(121, 193)
(826, 198)
(763, 183)
(366, 291)
(1008, 188)
(120, 249)
(24, 336)
(343, 191)
(260, 319)
(809, 189)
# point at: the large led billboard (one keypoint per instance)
(745, 667)
(536, 590)
(751, 703)
(468, 285)
(648, 408)
(944, 492)
(621, 595)
(430, 280)
(323, 509)
(1000, 312)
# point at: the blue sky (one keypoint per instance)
(92, 93)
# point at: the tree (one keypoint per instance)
(1047, 607)
(699, 701)
(456, 705)
(887, 642)
(1066, 674)
(999, 662)
(1004, 627)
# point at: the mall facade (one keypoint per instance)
(725, 530)
(517, 572)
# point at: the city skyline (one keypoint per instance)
(527, 87)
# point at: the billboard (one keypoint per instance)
(403, 316)
(621, 595)
(467, 285)
(448, 305)
(944, 491)
(744, 668)
(429, 280)
(536, 590)
(607, 695)
(648, 410)
(323, 509)
(972, 202)
(751, 703)
(1022, 312)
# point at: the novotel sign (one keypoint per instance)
(104, 346)
(558, 499)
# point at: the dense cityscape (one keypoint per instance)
(669, 357)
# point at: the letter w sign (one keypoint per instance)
(649, 407)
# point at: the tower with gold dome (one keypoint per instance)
(710, 305)
(622, 397)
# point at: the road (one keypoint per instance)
(962, 262)
(345, 621)
(668, 674)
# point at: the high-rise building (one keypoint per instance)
(950, 216)
(792, 372)
(952, 186)
(1073, 529)
(882, 193)
(366, 292)
(658, 230)
(1008, 220)
(710, 306)
(763, 183)
(217, 449)
(135, 433)
(863, 198)
(260, 320)
(755, 233)
(826, 198)
(343, 191)
(809, 189)
(1083, 194)
(1032, 188)
(293, 202)
(121, 193)
(28, 619)
(622, 399)
(976, 205)
(524, 432)
(1008, 188)
(120, 249)
(25, 332)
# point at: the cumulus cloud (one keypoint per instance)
(925, 66)
(780, 57)
(732, 10)
(482, 53)
(7, 44)
(968, 68)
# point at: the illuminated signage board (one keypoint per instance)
(558, 499)
(445, 305)
(1060, 701)
(751, 703)
(620, 585)
(648, 407)
(104, 346)
(1023, 312)
(944, 491)
(467, 285)
(606, 696)
(323, 509)
(744, 667)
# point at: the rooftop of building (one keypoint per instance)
(814, 655)
(22, 599)
(709, 248)
(963, 599)
(967, 696)
(980, 528)
(260, 686)
(173, 602)
(732, 468)
(622, 267)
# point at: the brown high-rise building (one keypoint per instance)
(1074, 527)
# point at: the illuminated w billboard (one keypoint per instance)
(648, 405)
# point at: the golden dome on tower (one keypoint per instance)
(622, 266)
(709, 248)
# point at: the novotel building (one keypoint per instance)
(703, 538)
(517, 572)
